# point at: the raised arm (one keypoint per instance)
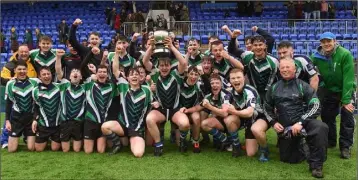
(58, 64)
(233, 47)
(132, 50)
(146, 58)
(234, 62)
(73, 40)
(183, 63)
(115, 64)
(270, 40)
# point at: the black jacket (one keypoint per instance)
(294, 101)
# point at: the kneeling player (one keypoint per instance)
(242, 112)
(216, 103)
(47, 111)
(135, 101)
(19, 107)
(73, 103)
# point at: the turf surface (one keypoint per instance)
(172, 165)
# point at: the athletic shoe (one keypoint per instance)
(172, 137)
(317, 173)
(345, 153)
(182, 146)
(264, 152)
(229, 148)
(4, 146)
(223, 145)
(158, 151)
(115, 149)
(205, 140)
(196, 148)
(236, 150)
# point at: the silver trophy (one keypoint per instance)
(160, 49)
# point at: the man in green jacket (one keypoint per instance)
(337, 88)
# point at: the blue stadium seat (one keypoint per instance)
(204, 39)
(179, 37)
(311, 37)
(354, 36)
(347, 36)
(223, 37)
(284, 37)
(61, 46)
(339, 36)
(293, 37)
(4, 57)
(186, 38)
(302, 36)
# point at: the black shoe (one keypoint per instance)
(25, 140)
(331, 145)
(236, 150)
(182, 146)
(206, 139)
(115, 149)
(345, 153)
(158, 151)
(223, 145)
(172, 137)
(196, 148)
(317, 173)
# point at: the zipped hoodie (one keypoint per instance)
(337, 71)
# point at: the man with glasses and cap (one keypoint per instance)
(336, 90)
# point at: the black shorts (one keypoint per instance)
(114, 109)
(131, 132)
(221, 120)
(168, 113)
(44, 133)
(71, 129)
(22, 125)
(92, 130)
(263, 117)
(246, 124)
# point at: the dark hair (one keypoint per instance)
(20, 63)
(235, 70)
(258, 39)
(214, 76)
(163, 59)
(193, 39)
(213, 37)
(284, 44)
(122, 38)
(95, 33)
(206, 57)
(193, 68)
(216, 43)
(45, 38)
(101, 66)
(45, 68)
(248, 38)
(132, 70)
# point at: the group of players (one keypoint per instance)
(124, 98)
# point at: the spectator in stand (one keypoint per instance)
(84, 43)
(185, 17)
(161, 22)
(13, 39)
(63, 31)
(38, 35)
(177, 14)
(106, 13)
(2, 42)
(259, 7)
(112, 17)
(299, 9)
(308, 9)
(332, 11)
(171, 9)
(117, 24)
(249, 8)
(123, 15)
(138, 18)
(324, 9)
(28, 39)
(111, 45)
(317, 10)
(291, 13)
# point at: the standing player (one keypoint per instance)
(135, 102)
(304, 67)
(194, 52)
(243, 112)
(168, 84)
(19, 107)
(45, 56)
(262, 71)
(223, 62)
(47, 111)
(73, 104)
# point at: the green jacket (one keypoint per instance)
(337, 72)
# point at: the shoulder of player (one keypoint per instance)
(34, 51)
(302, 58)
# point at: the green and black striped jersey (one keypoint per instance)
(168, 88)
(39, 60)
(190, 95)
(135, 104)
(20, 94)
(224, 67)
(223, 98)
(195, 61)
(48, 104)
(262, 73)
(304, 68)
(73, 100)
(127, 62)
(99, 98)
(249, 97)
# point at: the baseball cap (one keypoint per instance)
(327, 35)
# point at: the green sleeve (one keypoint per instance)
(349, 83)
(88, 85)
(178, 77)
(155, 76)
(313, 59)
(122, 85)
(33, 54)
